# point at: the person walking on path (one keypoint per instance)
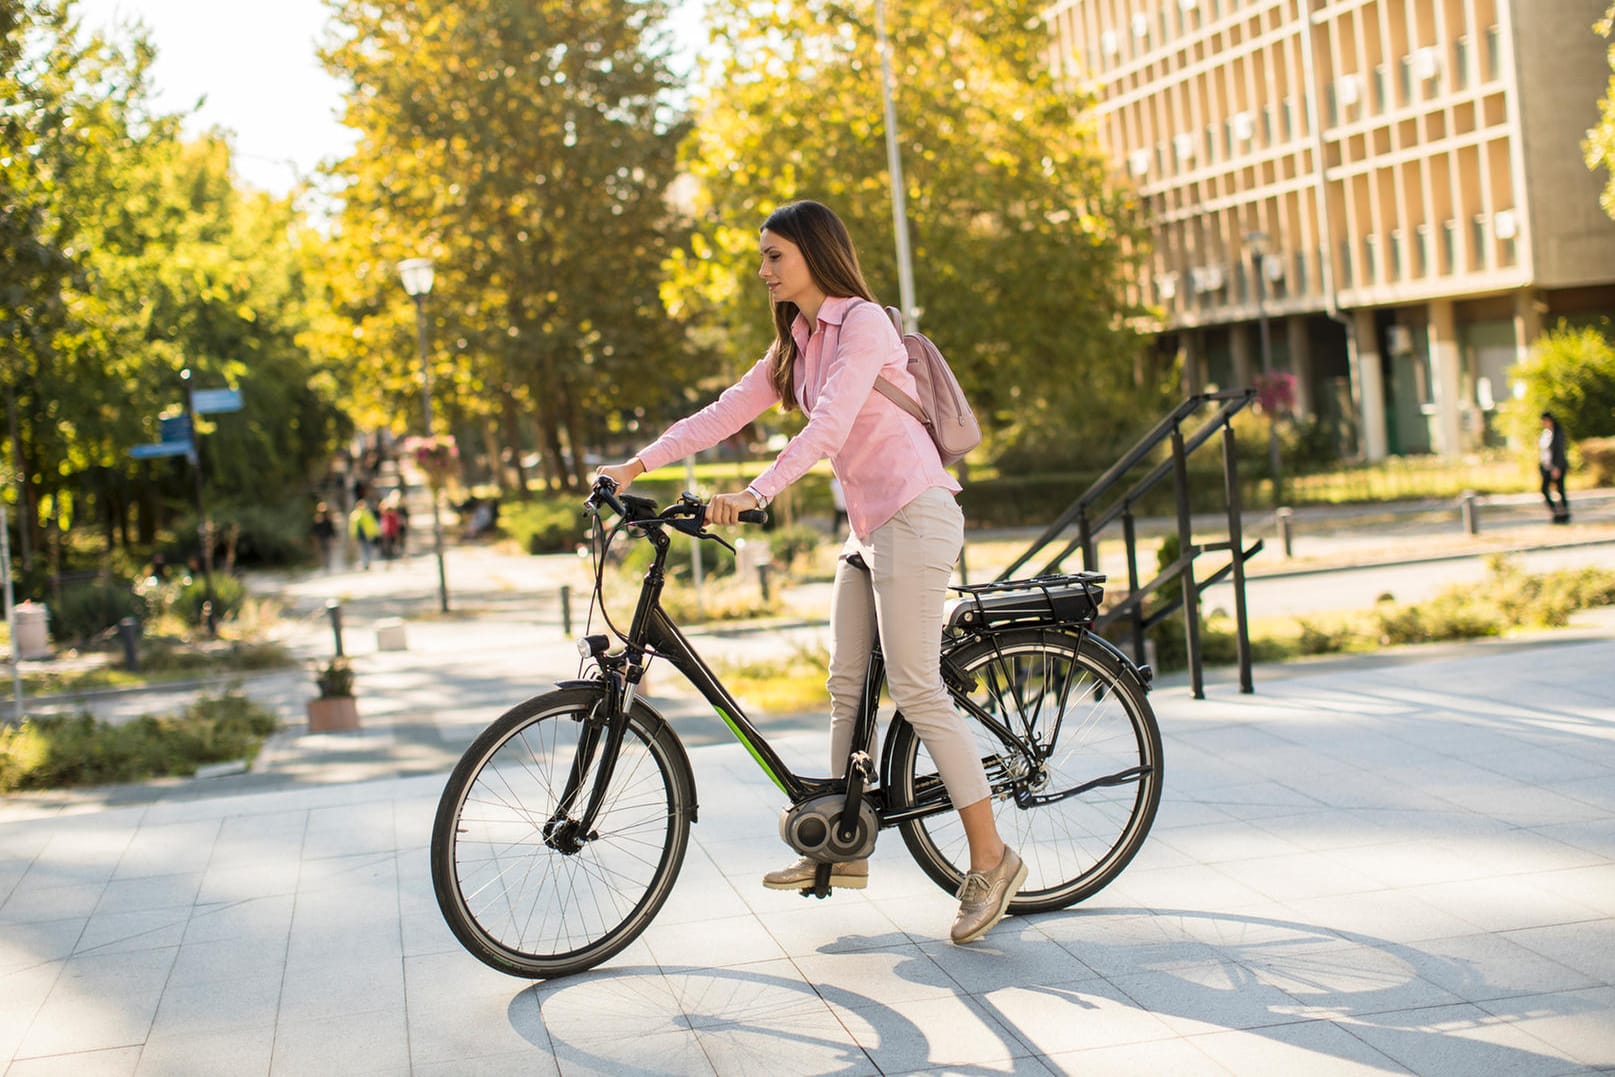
(324, 531)
(363, 527)
(1553, 462)
(831, 342)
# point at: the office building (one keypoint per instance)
(1397, 185)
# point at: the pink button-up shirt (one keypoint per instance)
(882, 455)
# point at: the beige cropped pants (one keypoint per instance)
(910, 559)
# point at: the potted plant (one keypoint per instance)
(335, 709)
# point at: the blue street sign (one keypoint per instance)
(161, 448)
(212, 401)
(175, 430)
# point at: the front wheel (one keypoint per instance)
(1075, 765)
(521, 885)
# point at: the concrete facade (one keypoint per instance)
(1397, 185)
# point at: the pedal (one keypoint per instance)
(821, 883)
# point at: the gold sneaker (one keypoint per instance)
(985, 897)
(850, 875)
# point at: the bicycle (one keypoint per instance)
(560, 832)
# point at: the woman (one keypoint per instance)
(831, 341)
(1552, 462)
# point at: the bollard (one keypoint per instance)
(566, 610)
(762, 578)
(1469, 512)
(1284, 517)
(129, 636)
(333, 610)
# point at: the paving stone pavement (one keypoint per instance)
(1366, 867)
(1381, 864)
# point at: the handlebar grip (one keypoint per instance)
(753, 516)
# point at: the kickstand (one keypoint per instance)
(821, 883)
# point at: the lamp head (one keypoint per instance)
(416, 273)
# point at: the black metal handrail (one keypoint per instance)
(1082, 514)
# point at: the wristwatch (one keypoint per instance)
(762, 502)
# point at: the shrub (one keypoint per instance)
(63, 750)
(228, 593)
(1571, 372)
(1598, 458)
(85, 610)
(553, 524)
(269, 534)
(789, 543)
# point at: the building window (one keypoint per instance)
(1289, 118)
(1370, 259)
(1494, 53)
(1477, 240)
(1267, 125)
(1421, 251)
(1382, 90)
(1449, 246)
(1396, 254)
(1300, 272)
(1460, 62)
(1345, 264)
(1407, 80)
(1141, 32)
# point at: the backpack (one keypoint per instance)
(941, 408)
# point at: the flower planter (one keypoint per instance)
(333, 714)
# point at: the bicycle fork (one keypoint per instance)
(601, 738)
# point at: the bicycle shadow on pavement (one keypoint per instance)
(1203, 973)
(655, 1020)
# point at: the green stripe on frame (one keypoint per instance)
(730, 722)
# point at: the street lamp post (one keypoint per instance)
(1257, 242)
(416, 274)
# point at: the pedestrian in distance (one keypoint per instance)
(391, 528)
(831, 342)
(1553, 462)
(365, 529)
(324, 531)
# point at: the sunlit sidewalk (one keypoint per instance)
(1367, 866)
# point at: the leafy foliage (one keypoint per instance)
(526, 148)
(129, 255)
(1571, 372)
(1020, 244)
(66, 750)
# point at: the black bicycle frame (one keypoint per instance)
(652, 633)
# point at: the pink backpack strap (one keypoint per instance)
(892, 392)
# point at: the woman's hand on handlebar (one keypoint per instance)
(726, 508)
(622, 474)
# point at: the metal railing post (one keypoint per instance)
(1236, 549)
(1191, 595)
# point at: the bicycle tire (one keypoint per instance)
(1040, 683)
(518, 903)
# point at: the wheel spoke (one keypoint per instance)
(530, 907)
(1074, 726)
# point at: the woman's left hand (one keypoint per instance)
(726, 508)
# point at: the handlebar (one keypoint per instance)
(688, 514)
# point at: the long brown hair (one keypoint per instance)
(832, 261)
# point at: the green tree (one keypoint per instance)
(526, 148)
(1020, 244)
(131, 254)
(1599, 146)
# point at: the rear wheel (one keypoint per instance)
(522, 887)
(1075, 785)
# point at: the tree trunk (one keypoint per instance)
(513, 438)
